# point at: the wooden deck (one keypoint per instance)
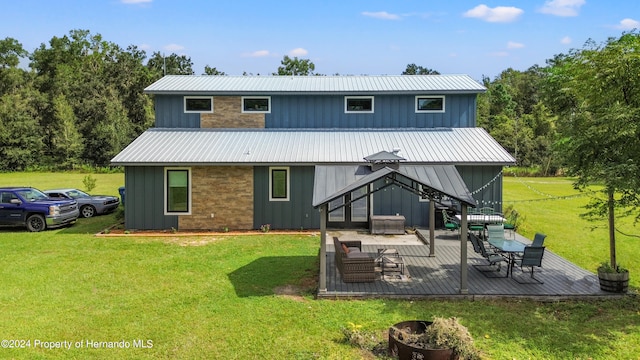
(439, 276)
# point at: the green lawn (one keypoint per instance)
(553, 207)
(250, 297)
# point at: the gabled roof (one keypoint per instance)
(332, 182)
(455, 146)
(301, 85)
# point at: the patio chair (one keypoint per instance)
(492, 257)
(495, 231)
(532, 257)
(449, 223)
(538, 240)
(511, 223)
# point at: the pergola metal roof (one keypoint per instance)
(435, 181)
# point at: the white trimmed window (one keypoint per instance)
(430, 104)
(358, 104)
(177, 191)
(420, 198)
(278, 184)
(256, 104)
(198, 104)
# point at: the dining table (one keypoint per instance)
(483, 218)
(509, 247)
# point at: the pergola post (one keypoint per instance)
(322, 286)
(463, 250)
(432, 227)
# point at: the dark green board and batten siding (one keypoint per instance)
(297, 213)
(144, 208)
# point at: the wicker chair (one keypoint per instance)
(353, 264)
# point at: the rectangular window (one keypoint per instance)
(177, 196)
(427, 104)
(359, 210)
(255, 104)
(338, 213)
(279, 184)
(198, 104)
(358, 104)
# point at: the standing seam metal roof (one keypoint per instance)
(221, 84)
(309, 146)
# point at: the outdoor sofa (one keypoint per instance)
(353, 264)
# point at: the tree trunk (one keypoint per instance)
(612, 230)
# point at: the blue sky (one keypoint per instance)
(479, 38)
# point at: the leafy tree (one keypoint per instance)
(173, 64)
(212, 71)
(66, 140)
(413, 69)
(20, 135)
(11, 51)
(602, 127)
(296, 66)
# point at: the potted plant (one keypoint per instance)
(613, 279)
(438, 339)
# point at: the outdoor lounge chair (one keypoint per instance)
(492, 257)
(532, 257)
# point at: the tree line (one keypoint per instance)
(81, 101)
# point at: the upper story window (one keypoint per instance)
(426, 104)
(256, 104)
(358, 104)
(198, 104)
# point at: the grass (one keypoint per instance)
(551, 206)
(241, 297)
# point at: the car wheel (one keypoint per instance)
(87, 211)
(36, 223)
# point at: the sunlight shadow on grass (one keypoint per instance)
(261, 276)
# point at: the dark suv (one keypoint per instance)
(26, 206)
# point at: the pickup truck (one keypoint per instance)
(26, 206)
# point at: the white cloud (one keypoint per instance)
(562, 7)
(628, 24)
(258, 53)
(566, 40)
(173, 47)
(514, 45)
(499, 54)
(145, 47)
(298, 52)
(136, 1)
(381, 15)
(496, 14)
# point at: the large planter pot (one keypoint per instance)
(400, 349)
(613, 281)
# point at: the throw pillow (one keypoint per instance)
(345, 248)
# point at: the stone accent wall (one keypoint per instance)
(227, 113)
(224, 191)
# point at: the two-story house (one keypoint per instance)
(240, 152)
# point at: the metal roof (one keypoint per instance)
(311, 146)
(332, 182)
(265, 85)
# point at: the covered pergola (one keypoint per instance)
(433, 182)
